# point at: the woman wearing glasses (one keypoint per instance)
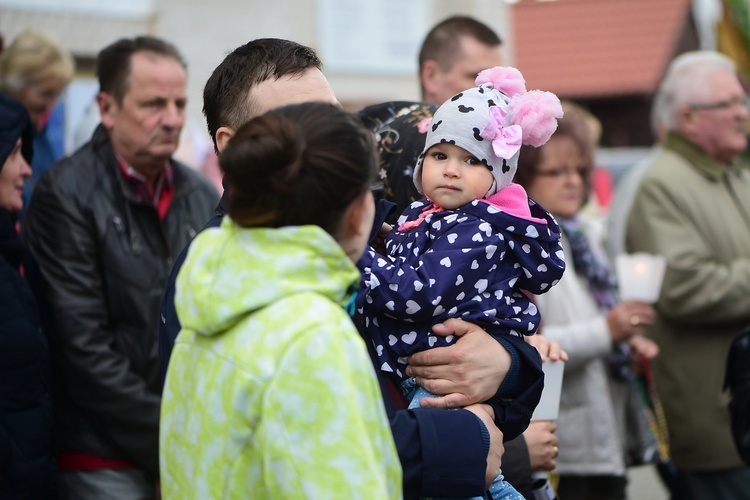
(583, 315)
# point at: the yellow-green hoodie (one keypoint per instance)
(270, 392)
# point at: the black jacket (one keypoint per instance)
(100, 265)
(27, 467)
(737, 380)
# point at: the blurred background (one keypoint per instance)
(608, 55)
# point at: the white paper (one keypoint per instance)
(549, 404)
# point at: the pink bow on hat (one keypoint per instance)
(506, 141)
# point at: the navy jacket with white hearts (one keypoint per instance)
(470, 263)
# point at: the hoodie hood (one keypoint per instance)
(231, 272)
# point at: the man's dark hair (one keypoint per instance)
(297, 165)
(443, 43)
(113, 62)
(225, 96)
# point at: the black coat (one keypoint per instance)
(27, 467)
(738, 381)
(100, 259)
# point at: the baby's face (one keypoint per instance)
(451, 176)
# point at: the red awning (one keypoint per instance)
(597, 48)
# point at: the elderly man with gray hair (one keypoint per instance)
(693, 207)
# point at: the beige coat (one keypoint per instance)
(696, 213)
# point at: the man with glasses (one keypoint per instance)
(693, 207)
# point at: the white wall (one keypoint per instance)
(206, 30)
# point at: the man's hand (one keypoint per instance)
(468, 372)
(495, 455)
(541, 442)
(378, 243)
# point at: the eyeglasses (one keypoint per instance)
(736, 102)
(562, 172)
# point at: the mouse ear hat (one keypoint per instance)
(492, 121)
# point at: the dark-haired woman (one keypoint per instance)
(270, 392)
(27, 468)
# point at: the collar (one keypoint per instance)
(429, 209)
(221, 209)
(706, 165)
(159, 196)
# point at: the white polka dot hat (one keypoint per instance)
(492, 121)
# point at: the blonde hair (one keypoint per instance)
(33, 57)
(592, 127)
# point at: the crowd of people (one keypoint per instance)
(365, 311)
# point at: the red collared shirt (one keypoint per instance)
(161, 197)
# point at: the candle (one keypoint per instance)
(640, 276)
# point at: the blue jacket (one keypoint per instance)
(451, 466)
(470, 263)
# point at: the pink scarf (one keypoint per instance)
(429, 209)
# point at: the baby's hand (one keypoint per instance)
(548, 349)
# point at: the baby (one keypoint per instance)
(476, 242)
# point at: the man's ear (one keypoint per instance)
(107, 108)
(223, 134)
(428, 72)
(687, 121)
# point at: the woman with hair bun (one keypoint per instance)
(270, 392)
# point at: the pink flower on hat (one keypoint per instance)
(506, 141)
(424, 125)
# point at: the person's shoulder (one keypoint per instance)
(663, 162)
(306, 326)
(73, 174)
(192, 180)
(318, 317)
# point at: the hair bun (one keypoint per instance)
(298, 164)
